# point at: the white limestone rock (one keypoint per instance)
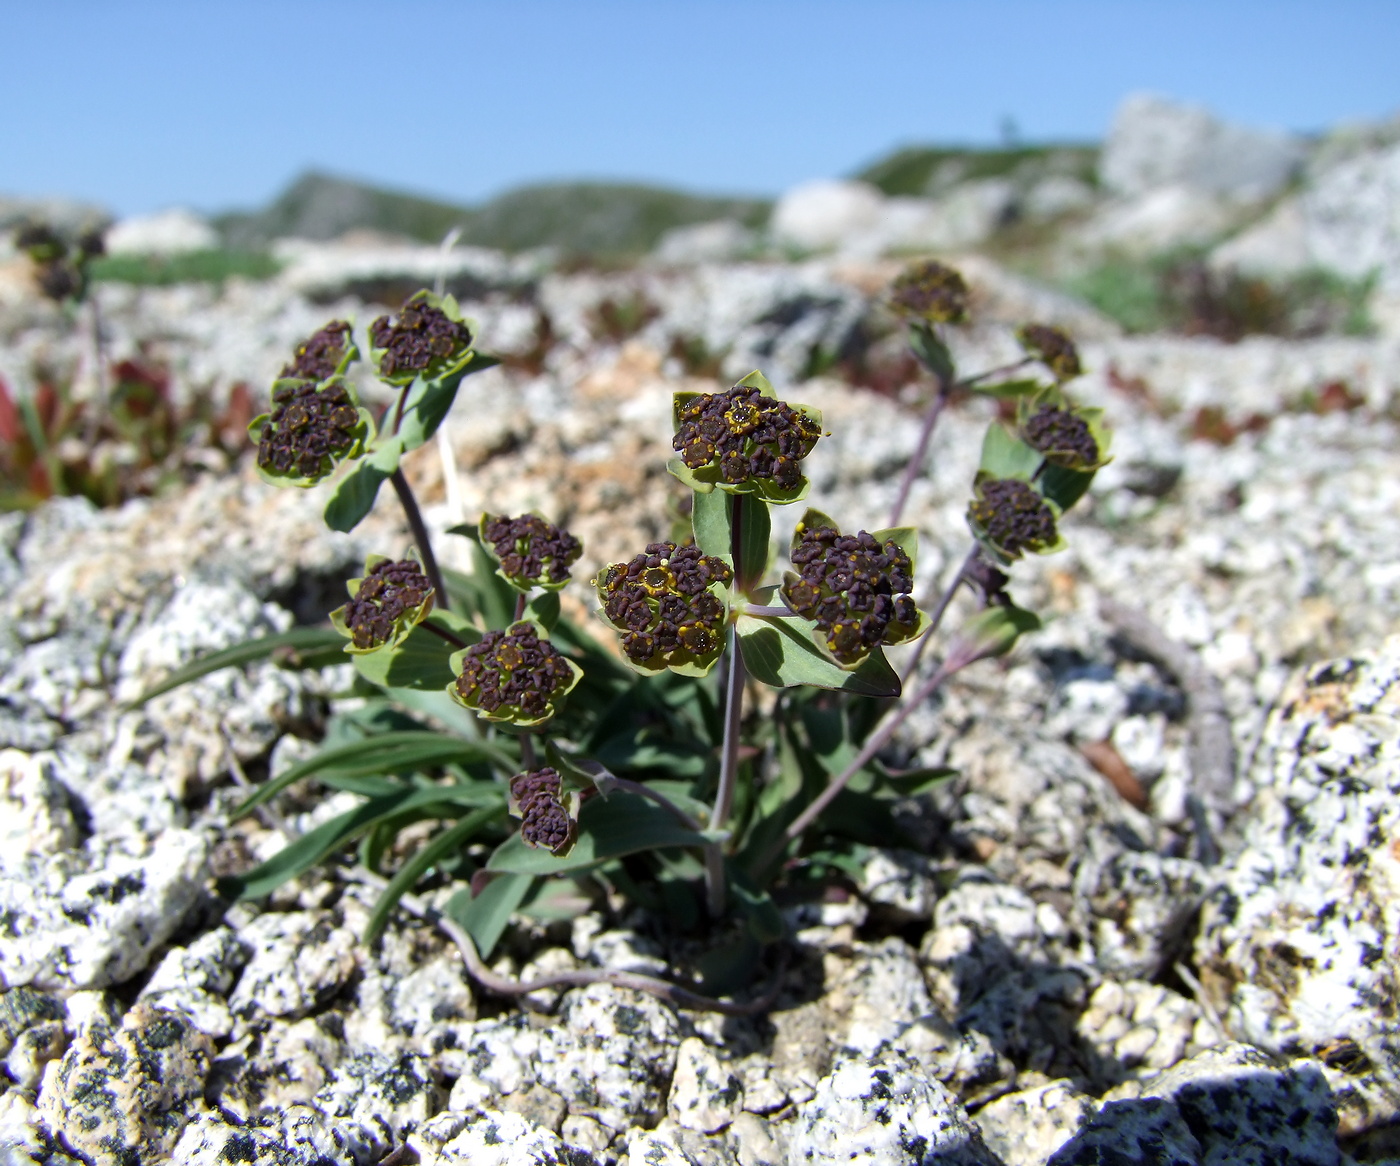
(1027, 1127)
(299, 960)
(705, 1094)
(297, 1135)
(395, 1093)
(168, 232)
(1156, 142)
(492, 1138)
(86, 919)
(128, 1089)
(885, 1110)
(196, 980)
(1293, 944)
(34, 807)
(1143, 1028)
(612, 1055)
(821, 215)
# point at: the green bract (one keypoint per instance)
(514, 676)
(671, 603)
(309, 430)
(744, 440)
(430, 339)
(386, 604)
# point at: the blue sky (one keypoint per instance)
(141, 105)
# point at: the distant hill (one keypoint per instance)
(580, 218)
(932, 170)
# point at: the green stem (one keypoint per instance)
(717, 893)
(956, 661)
(420, 537)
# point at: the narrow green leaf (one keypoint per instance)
(308, 643)
(448, 842)
(610, 827)
(485, 915)
(389, 752)
(305, 852)
(1006, 456)
(780, 651)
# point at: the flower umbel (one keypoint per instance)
(425, 339)
(744, 441)
(545, 821)
(1062, 435)
(385, 605)
(323, 354)
(664, 603)
(1010, 515)
(930, 291)
(531, 551)
(309, 429)
(1053, 347)
(516, 675)
(854, 587)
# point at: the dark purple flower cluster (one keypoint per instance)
(1062, 436)
(318, 357)
(424, 334)
(1053, 347)
(661, 601)
(1014, 517)
(531, 550)
(513, 672)
(544, 821)
(60, 270)
(930, 291)
(307, 428)
(391, 590)
(749, 436)
(852, 588)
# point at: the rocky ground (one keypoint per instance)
(1109, 946)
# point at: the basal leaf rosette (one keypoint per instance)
(1053, 347)
(386, 604)
(854, 587)
(744, 440)
(515, 677)
(1009, 516)
(429, 339)
(530, 552)
(1065, 435)
(324, 354)
(310, 429)
(670, 605)
(548, 811)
